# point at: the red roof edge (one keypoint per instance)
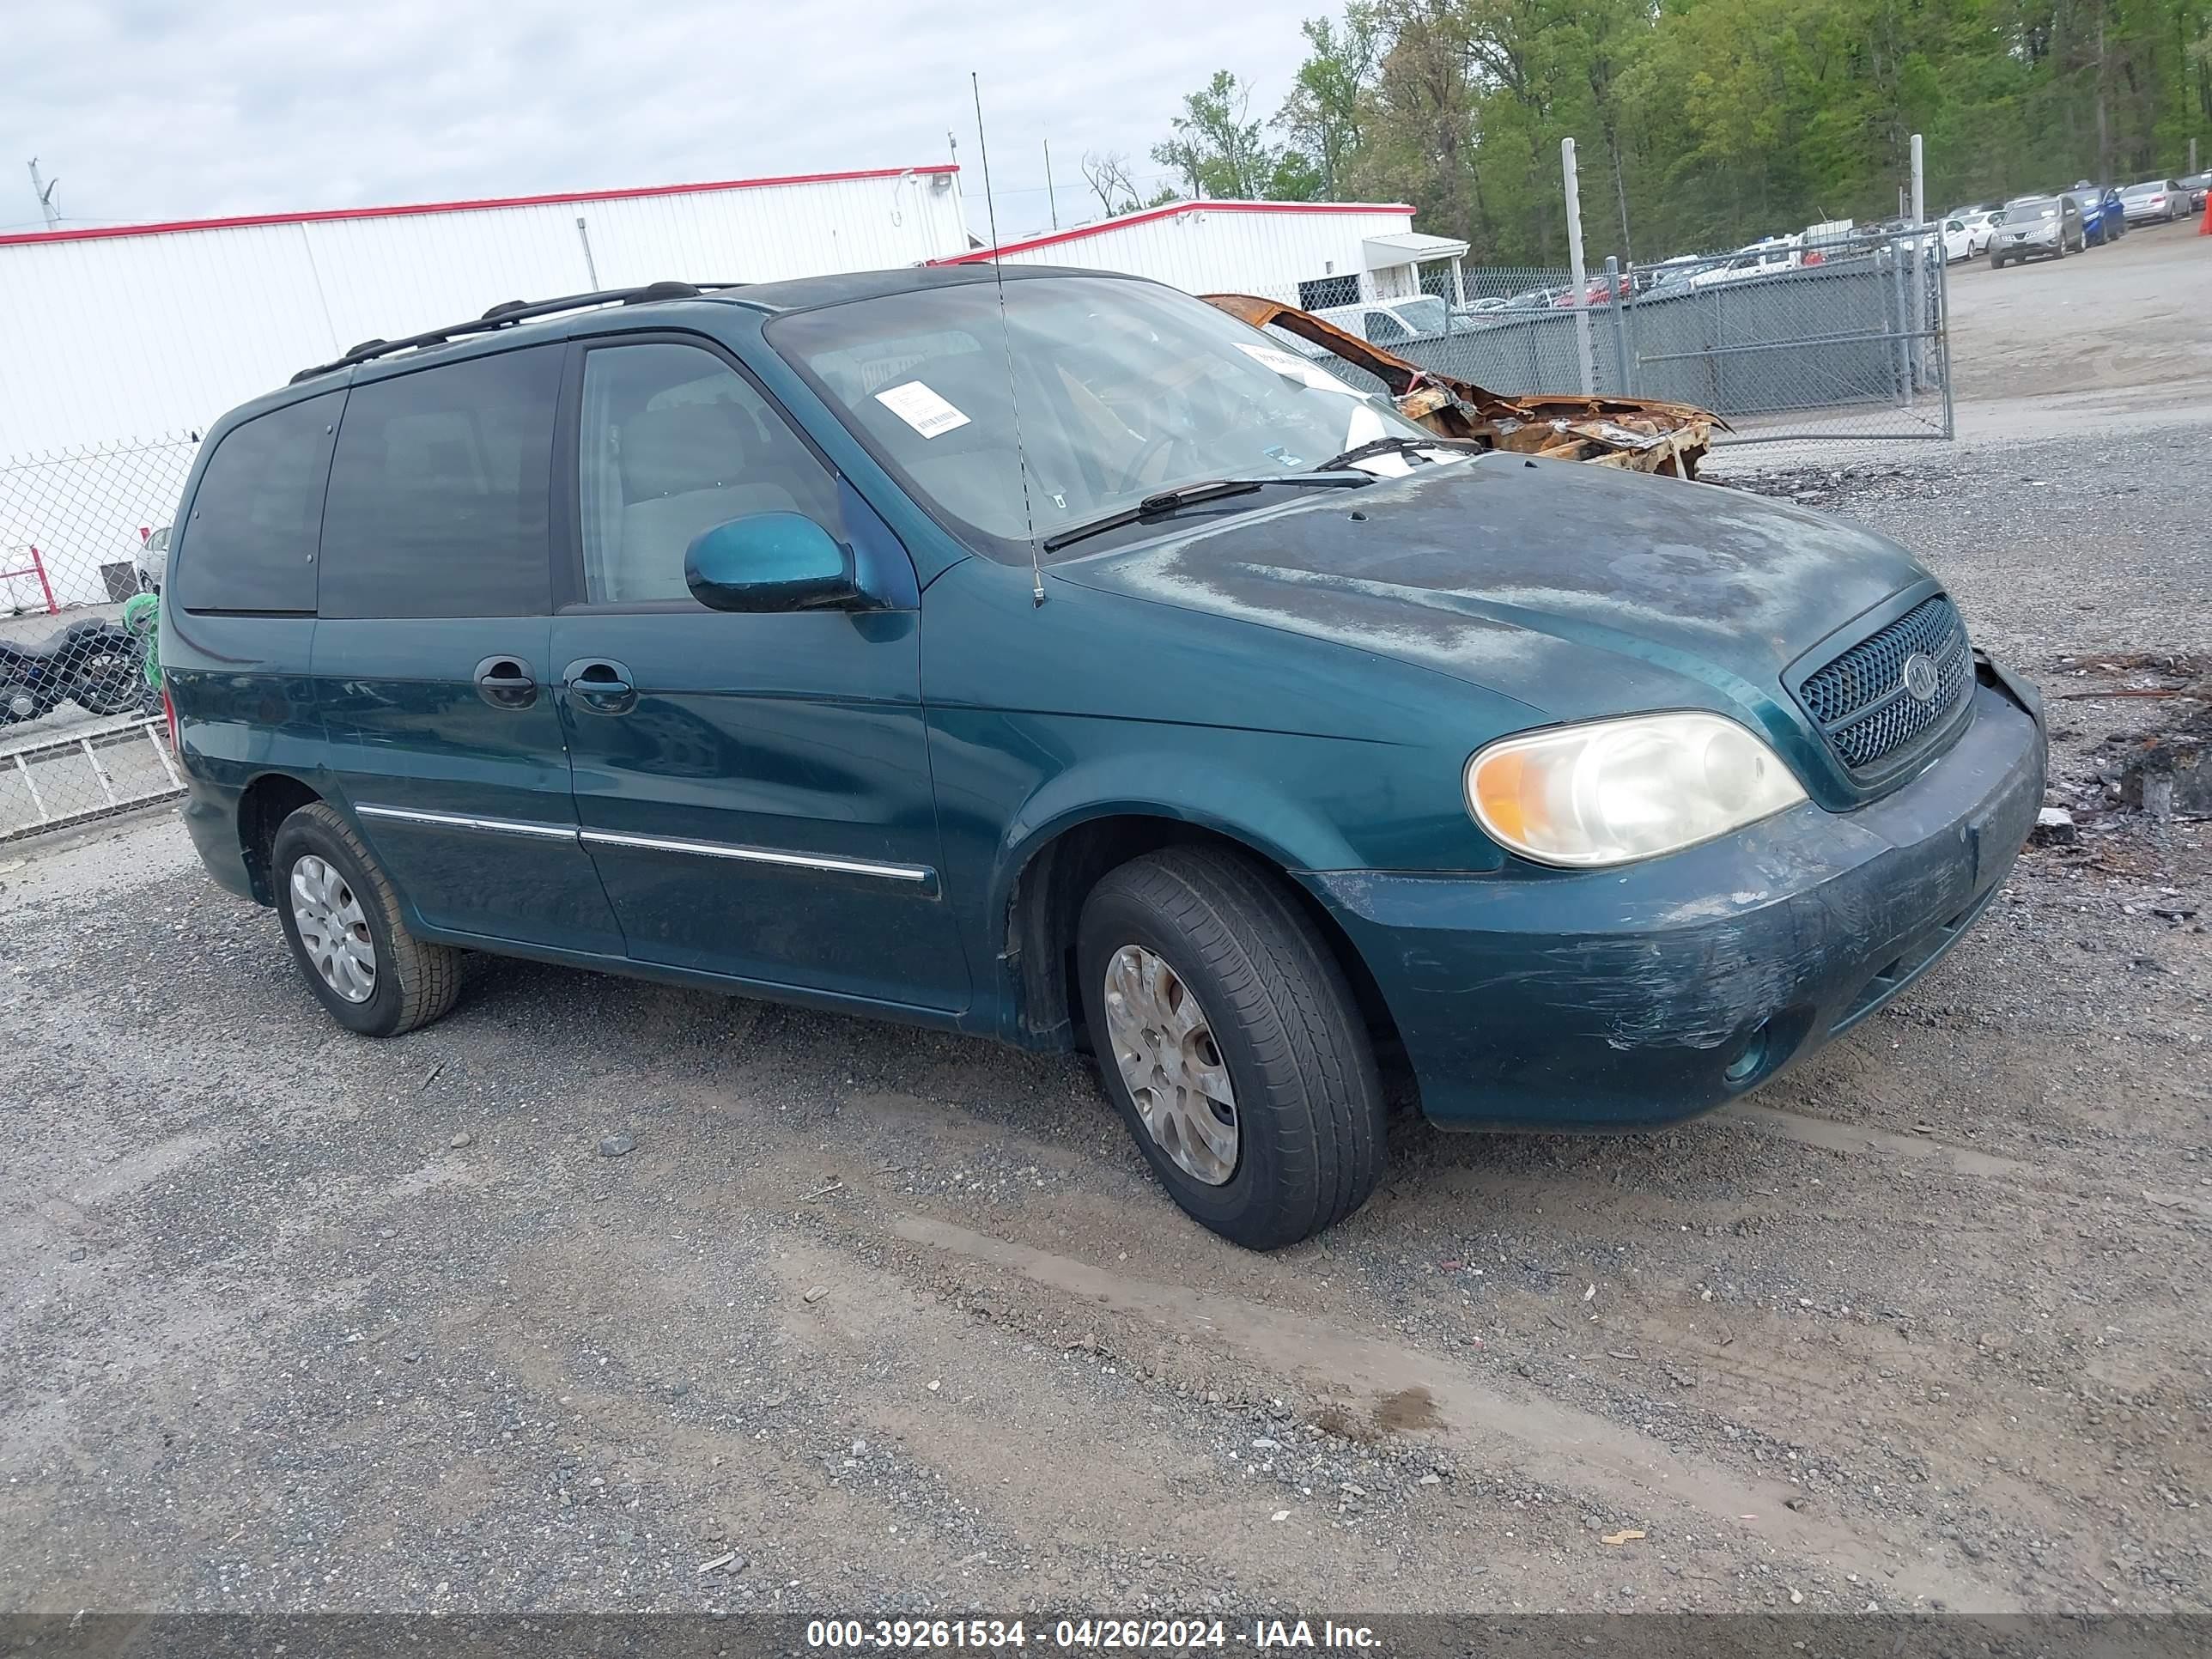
(1052, 239)
(99, 233)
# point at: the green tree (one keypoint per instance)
(1216, 144)
(1322, 117)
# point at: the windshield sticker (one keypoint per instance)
(1282, 456)
(1293, 367)
(922, 408)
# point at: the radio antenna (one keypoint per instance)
(1014, 398)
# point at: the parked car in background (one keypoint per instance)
(1664, 274)
(1773, 257)
(1392, 322)
(2104, 219)
(1593, 292)
(1966, 236)
(2163, 200)
(2197, 184)
(2037, 228)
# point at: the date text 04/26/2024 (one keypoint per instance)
(1124, 1635)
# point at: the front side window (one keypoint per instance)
(1385, 330)
(673, 441)
(250, 542)
(440, 491)
(1122, 388)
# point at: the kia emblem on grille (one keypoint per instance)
(1920, 678)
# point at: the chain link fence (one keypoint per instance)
(83, 534)
(1787, 341)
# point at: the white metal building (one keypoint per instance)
(119, 344)
(1311, 254)
(111, 333)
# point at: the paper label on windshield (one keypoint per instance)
(922, 408)
(1291, 365)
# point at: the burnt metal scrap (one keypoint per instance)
(1642, 434)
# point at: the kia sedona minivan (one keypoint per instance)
(1064, 662)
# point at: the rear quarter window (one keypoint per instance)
(249, 544)
(440, 492)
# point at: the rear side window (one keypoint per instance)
(440, 492)
(250, 542)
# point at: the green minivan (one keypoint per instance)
(1049, 656)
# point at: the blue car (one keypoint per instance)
(2104, 219)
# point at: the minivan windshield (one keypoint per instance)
(1124, 390)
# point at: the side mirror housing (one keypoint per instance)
(769, 561)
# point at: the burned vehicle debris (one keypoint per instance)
(1644, 434)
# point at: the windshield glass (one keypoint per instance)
(2030, 207)
(2155, 187)
(1123, 389)
(1426, 315)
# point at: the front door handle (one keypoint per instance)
(506, 683)
(600, 684)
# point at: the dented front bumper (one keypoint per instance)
(1638, 996)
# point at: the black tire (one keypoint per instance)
(1309, 1106)
(110, 683)
(414, 982)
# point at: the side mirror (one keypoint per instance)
(768, 561)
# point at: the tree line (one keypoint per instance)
(1699, 124)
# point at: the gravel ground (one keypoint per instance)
(599, 1295)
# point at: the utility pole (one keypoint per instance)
(1048, 195)
(1575, 266)
(45, 190)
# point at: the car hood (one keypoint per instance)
(1578, 590)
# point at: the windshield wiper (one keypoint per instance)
(1189, 494)
(1397, 445)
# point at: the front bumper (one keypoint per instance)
(1628, 997)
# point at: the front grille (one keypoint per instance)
(1859, 700)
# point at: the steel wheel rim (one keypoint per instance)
(333, 929)
(1165, 1048)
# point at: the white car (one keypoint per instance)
(1387, 323)
(1966, 235)
(1770, 257)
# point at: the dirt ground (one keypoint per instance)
(871, 1319)
(2119, 328)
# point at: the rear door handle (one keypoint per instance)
(600, 684)
(506, 683)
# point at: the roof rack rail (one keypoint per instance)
(511, 312)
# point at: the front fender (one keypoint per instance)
(1236, 803)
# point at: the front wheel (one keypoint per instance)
(1232, 1045)
(109, 682)
(341, 919)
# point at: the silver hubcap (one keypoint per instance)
(1165, 1048)
(333, 929)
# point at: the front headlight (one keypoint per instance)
(1613, 791)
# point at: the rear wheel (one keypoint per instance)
(109, 681)
(342, 920)
(1231, 1044)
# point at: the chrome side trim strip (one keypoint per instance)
(458, 821)
(715, 849)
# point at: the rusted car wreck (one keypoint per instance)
(1642, 434)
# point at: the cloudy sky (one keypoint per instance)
(144, 109)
